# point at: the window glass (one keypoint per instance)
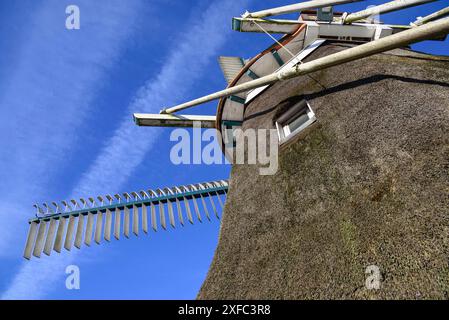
(295, 119)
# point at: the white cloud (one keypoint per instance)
(184, 66)
(46, 97)
(125, 150)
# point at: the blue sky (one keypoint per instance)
(66, 100)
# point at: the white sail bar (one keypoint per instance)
(431, 17)
(321, 29)
(297, 7)
(270, 26)
(427, 31)
(46, 234)
(383, 8)
(166, 120)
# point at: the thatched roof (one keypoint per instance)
(367, 184)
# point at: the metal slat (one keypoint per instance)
(158, 193)
(214, 208)
(171, 216)
(39, 245)
(108, 225)
(117, 224)
(153, 217)
(219, 200)
(180, 217)
(135, 220)
(30, 240)
(89, 229)
(162, 215)
(144, 219)
(197, 210)
(207, 186)
(189, 212)
(69, 234)
(126, 222)
(205, 207)
(98, 227)
(60, 234)
(195, 203)
(222, 183)
(79, 232)
(50, 236)
(178, 205)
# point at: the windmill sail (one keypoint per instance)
(230, 66)
(55, 228)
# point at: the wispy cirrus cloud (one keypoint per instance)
(52, 82)
(192, 52)
(53, 79)
(124, 151)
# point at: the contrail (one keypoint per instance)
(125, 150)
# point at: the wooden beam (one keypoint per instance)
(173, 120)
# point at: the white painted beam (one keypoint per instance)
(168, 120)
(297, 7)
(271, 26)
(425, 32)
(383, 8)
(431, 17)
(325, 29)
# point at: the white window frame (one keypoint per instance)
(284, 130)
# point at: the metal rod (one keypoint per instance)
(384, 8)
(297, 7)
(424, 32)
(439, 14)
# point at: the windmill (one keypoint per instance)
(70, 223)
(284, 59)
